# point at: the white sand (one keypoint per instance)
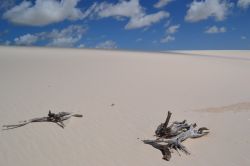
(143, 87)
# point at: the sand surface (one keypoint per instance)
(211, 88)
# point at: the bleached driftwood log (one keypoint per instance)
(58, 119)
(171, 137)
(174, 129)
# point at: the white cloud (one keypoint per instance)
(27, 39)
(202, 10)
(131, 10)
(147, 20)
(66, 37)
(123, 8)
(167, 23)
(173, 29)
(169, 33)
(162, 3)
(81, 46)
(244, 4)
(63, 42)
(43, 12)
(243, 37)
(215, 29)
(108, 44)
(167, 39)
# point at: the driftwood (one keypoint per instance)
(56, 118)
(169, 138)
(174, 129)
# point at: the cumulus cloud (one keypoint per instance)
(215, 29)
(167, 39)
(244, 4)
(108, 44)
(162, 3)
(173, 29)
(66, 37)
(27, 39)
(43, 12)
(131, 10)
(202, 10)
(146, 20)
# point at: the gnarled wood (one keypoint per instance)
(58, 119)
(172, 137)
(162, 128)
(174, 129)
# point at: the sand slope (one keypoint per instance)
(143, 87)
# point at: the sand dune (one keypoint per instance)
(142, 86)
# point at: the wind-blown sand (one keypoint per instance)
(142, 86)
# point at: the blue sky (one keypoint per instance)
(150, 25)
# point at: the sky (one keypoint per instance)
(148, 25)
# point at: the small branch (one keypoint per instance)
(167, 120)
(58, 119)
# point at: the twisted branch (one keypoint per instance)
(58, 119)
